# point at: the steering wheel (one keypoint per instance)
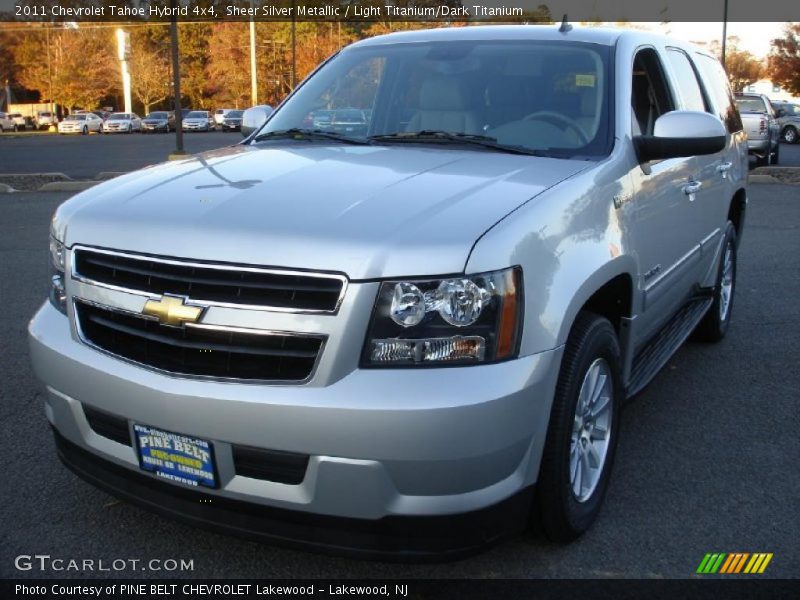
(550, 116)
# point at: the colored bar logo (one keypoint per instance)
(734, 563)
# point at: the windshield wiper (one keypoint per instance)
(298, 133)
(429, 135)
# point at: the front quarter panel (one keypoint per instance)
(569, 242)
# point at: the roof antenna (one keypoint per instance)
(565, 26)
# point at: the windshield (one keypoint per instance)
(234, 114)
(119, 117)
(751, 105)
(157, 115)
(196, 114)
(76, 118)
(540, 96)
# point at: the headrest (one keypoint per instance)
(442, 93)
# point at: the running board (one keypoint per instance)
(655, 354)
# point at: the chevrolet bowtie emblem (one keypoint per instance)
(170, 310)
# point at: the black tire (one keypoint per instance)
(557, 509)
(790, 135)
(714, 326)
(85, 130)
(776, 156)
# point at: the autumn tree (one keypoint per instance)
(228, 65)
(743, 68)
(149, 65)
(784, 59)
(193, 43)
(77, 64)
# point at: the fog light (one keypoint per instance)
(58, 295)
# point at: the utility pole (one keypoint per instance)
(294, 46)
(724, 32)
(49, 73)
(176, 82)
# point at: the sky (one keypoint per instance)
(753, 37)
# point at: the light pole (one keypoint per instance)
(724, 32)
(253, 77)
(124, 50)
(176, 81)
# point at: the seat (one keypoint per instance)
(444, 106)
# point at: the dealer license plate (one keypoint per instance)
(175, 457)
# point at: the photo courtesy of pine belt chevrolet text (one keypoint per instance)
(400, 319)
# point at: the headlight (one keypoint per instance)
(58, 294)
(460, 320)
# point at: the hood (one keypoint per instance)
(366, 211)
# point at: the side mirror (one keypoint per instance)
(253, 118)
(682, 133)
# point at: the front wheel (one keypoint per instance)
(583, 431)
(715, 323)
(789, 135)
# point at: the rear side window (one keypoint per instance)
(687, 82)
(720, 91)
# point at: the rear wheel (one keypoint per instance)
(715, 323)
(790, 135)
(583, 431)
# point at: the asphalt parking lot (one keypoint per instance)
(707, 459)
(83, 157)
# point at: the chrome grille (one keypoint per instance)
(211, 283)
(199, 350)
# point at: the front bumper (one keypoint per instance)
(383, 444)
(155, 126)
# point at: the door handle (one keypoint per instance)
(724, 168)
(691, 188)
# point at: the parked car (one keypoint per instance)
(413, 338)
(219, 116)
(7, 123)
(198, 120)
(83, 123)
(19, 120)
(158, 121)
(788, 117)
(232, 121)
(44, 119)
(122, 122)
(761, 126)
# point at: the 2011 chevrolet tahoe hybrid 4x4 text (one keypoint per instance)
(406, 337)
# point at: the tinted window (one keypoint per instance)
(687, 83)
(544, 96)
(754, 105)
(650, 97)
(720, 91)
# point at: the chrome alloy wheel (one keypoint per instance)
(591, 430)
(726, 283)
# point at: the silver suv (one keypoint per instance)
(409, 337)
